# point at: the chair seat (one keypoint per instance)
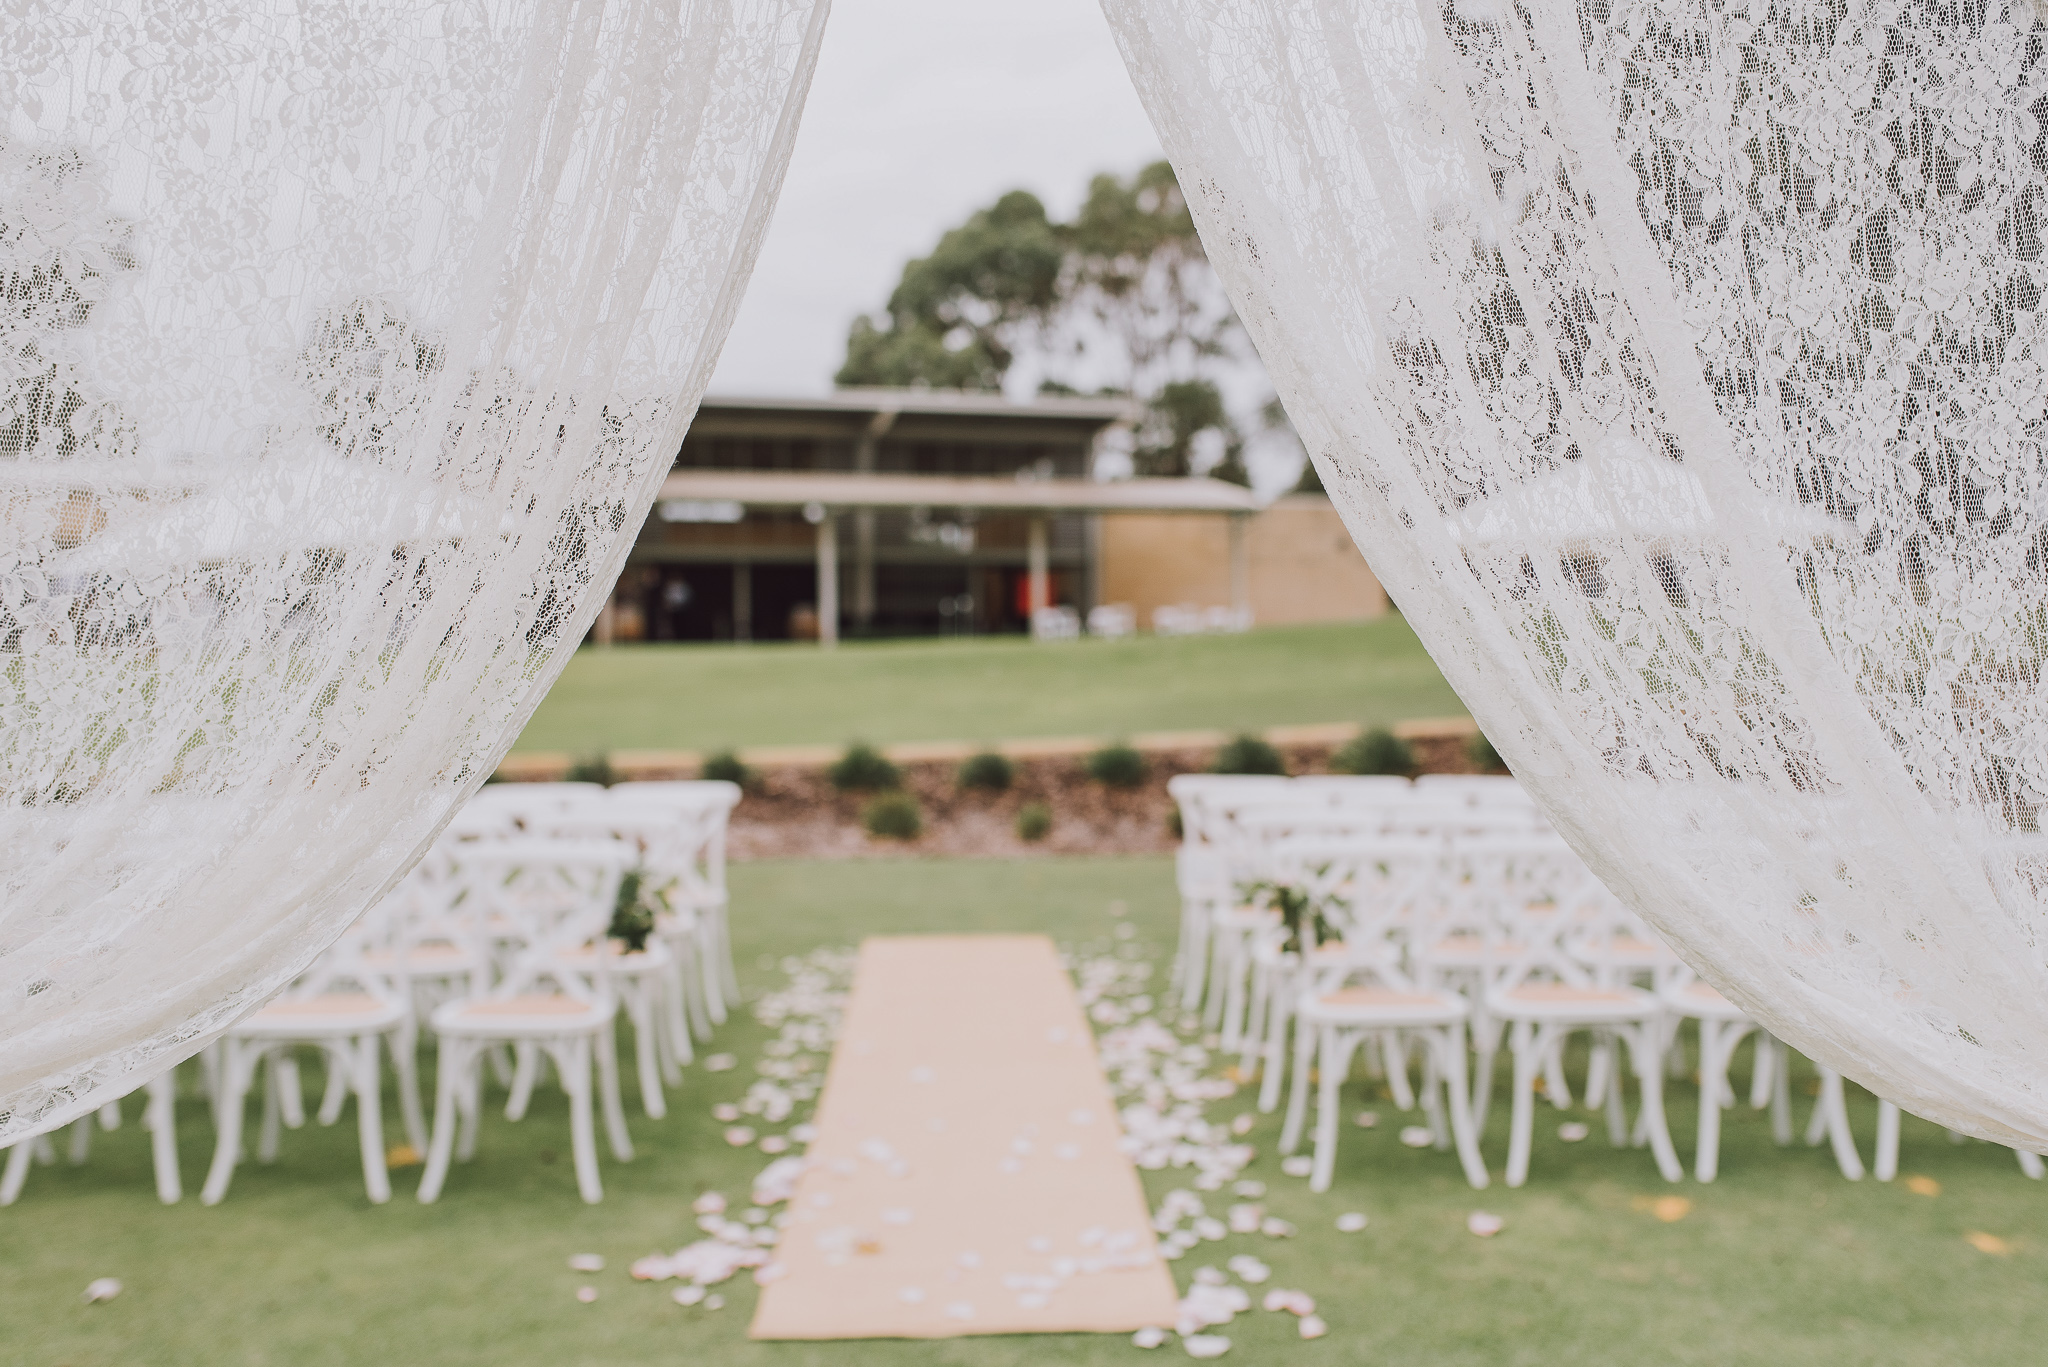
(1564, 1002)
(1246, 919)
(1625, 951)
(1471, 951)
(535, 1014)
(328, 1014)
(427, 960)
(1366, 1005)
(1702, 1001)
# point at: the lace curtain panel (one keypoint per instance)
(1679, 365)
(342, 349)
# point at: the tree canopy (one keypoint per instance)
(1120, 300)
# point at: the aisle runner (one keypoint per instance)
(966, 1177)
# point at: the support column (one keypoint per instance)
(1240, 566)
(743, 600)
(1038, 589)
(606, 626)
(828, 581)
(865, 455)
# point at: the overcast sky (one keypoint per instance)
(922, 111)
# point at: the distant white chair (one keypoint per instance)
(158, 1117)
(1112, 621)
(1885, 1163)
(1055, 624)
(1177, 619)
(347, 1010)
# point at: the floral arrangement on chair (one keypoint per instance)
(1296, 905)
(634, 911)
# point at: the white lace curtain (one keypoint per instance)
(342, 348)
(1679, 365)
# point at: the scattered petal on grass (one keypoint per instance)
(1671, 1209)
(1250, 1190)
(1350, 1222)
(714, 1301)
(1250, 1270)
(586, 1262)
(688, 1295)
(769, 1273)
(1988, 1243)
(1300, 1165)
(1209, 1227)
(725, 1113)
(1293, 1302)
(1244, 1219)
(1365, 1120)
(1923, 1186)
(710, 1203)
(1417, 1136)
(774, 1144)
(1312, 1327)
(402, 1156)
(1148, 1337)
(1483, 1224)
(1205, 1345)
(739, 1136)
(586, 1294)
(720, 1063)
(1273, 1227)
(1209, 1276)
(102, 1289)
(1572, 1131)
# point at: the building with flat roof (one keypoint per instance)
(890, 512)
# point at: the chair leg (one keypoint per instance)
(1522, 1121)
(470, 1105)
(1599, 1072)
(1306, 1035)
(681, 1048)
(234, 1072)
(451, 1060)
(1833, 1106)
(1219, 972)
(698, 1004)
(1431, 1094)
(1617, 1102)
(335, 1096)
(110, 1115)
(608, 1095)
(81, 1141)
(161, 1113)
(1394, 1059)
(361, 1058)
(1451, 1043)
(1762, 1072)
(1252, 1042)
(572, 1057)
(1884, 1160)
(405, 1066)
(2030, 1163)
(1335, 1063)
(1781, 1091)
(273, 1107)
(1555, 1086)
(16, 1172)
(1649, 1061)
(291, 1095)
(1707, 1151)
(1273, 1066)
(525, 1072)
(1486, 1044)
(644, 1017)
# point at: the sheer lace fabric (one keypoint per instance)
(1679, 364)
(342, 348)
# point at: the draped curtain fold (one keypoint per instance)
(342, 350)
(1679, 365)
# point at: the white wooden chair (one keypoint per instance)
(1885, 1162)
(1364, 993)
(349, 1012)
(159, 1117)
(543, 1006)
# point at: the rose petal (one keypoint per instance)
(1483, 1224)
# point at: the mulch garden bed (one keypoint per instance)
(795, 812)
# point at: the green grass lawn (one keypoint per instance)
(1780, 1262)
(708, 697)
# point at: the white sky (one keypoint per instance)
(921, 112)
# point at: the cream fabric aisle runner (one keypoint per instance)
(967, 1176)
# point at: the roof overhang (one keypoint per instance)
(835, 491)
(870, 402)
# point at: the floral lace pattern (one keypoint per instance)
(1681, 366)
(342, 349)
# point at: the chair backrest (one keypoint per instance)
(1369, 890)
(1521, 895)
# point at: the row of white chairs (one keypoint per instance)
(496, 944)
(1458, 922)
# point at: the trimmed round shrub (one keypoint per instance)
(893, 816)
(1378, 751)
(1034, 821)
(1117, 766)
(596, 768)
(1484, 757)
(726, 766)
(862, 769)
(1248, 755)
(988, 771)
